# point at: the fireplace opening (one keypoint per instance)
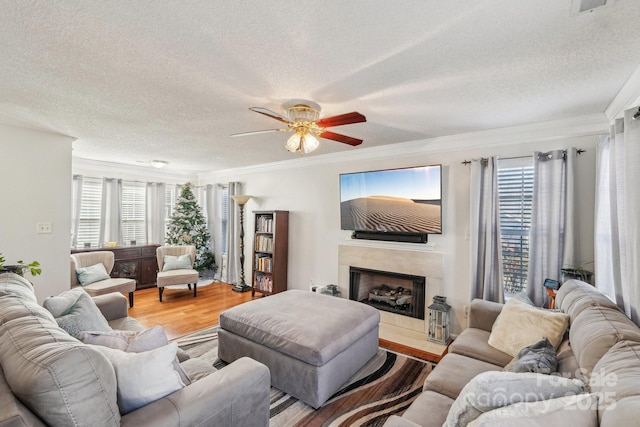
(388, 291)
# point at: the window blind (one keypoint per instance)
(515, 190)
(89, 223)
(133, 211)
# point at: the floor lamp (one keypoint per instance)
(241, 200)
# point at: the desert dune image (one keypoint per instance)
(383, 213)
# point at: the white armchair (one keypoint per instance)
(183, 274)
(108, 285)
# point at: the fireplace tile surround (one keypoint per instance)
(397, 328)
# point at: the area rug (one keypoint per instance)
(386, 385)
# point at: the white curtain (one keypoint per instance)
(204, 197)
(76, 204)
(110, 222)
(233, 236)
(219, 229)
(155, 213)
(486, 263)
(551, 242)
(617, 236)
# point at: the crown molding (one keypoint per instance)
(592, 124)
(627, 97)
(119, 169)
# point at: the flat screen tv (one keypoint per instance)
(405, 201)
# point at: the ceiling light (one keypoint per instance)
(302, 141)
(159, 164)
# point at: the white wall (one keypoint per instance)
(309, 189)
(35, 177)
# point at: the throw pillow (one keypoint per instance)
(539, 357)
(579, 410)
(143, 377)
(519, 325)
(93, 273)
(83, 315)
(133, 342)
(495, 389)
(61, 304)
(181, 262)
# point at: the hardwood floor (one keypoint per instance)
(180, 313)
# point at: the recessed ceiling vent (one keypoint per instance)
(581, 6)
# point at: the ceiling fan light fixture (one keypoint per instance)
(309, 143)
(158, 164)
(293, 143)
(302, 141)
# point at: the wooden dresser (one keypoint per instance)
(135, 262)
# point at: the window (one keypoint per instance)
(515, 191)
(133, 211)
(89, 223)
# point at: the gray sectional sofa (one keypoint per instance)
(601, 348)
(47, 377)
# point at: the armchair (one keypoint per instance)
(106, 258)
(176, 274)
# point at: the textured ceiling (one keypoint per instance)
(140, 80)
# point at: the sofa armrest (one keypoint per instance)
(482, 314)
(396, 421)
(236, 395)
(112, 306)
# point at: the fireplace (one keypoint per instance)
(388, 291)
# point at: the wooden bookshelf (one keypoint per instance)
(270, 252)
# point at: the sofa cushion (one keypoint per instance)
(430, 409)
(453, 372)
(575, 296)
(491, 390)
(16, 285)
(133, 342)
(520, 325)
(143, 377)
(577, 410)
(61, 380)
(474, 342)
(616, 376)
(83, 315)
(593, 332)
(539, 357)
(91, 274)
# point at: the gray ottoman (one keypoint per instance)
(311, 343)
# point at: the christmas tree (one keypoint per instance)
(188, 227)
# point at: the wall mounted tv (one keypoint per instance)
(394, 204)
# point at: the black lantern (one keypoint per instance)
(439, 320)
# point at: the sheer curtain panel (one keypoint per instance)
(233, 235)
(155, 212)
(552, 219)
(486, 262)
(110, 223)
(617, 237)
(76, 200)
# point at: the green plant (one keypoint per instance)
(20, 267)
(579, 271)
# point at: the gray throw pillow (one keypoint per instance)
(171, 262)
(540, 357)
(91, 274)
(84, 315)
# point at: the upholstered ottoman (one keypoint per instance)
(311, 343)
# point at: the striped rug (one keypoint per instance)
(386, 385)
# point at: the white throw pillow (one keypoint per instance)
(495, 389)
(93, 273)
(143, 377)
(578, 410)
(182, 262)
(519, 325)
(133, 342)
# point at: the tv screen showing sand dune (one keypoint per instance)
(398, 200)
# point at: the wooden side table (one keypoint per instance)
(552, 297)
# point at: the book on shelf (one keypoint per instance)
(264, 224)
(264, 243)
(264, 263)
(263, 283)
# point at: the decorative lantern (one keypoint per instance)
(439, 320)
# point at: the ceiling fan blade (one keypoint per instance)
(271, 114)
(255, 132)
(340, 138)
(342, 119)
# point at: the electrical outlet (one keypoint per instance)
(44, 228)
(466, 311)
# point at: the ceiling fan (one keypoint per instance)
(302, 118)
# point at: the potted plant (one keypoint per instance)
(577, 272)
(20, 267)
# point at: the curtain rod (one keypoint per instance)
(468, 162)
(76, 176)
